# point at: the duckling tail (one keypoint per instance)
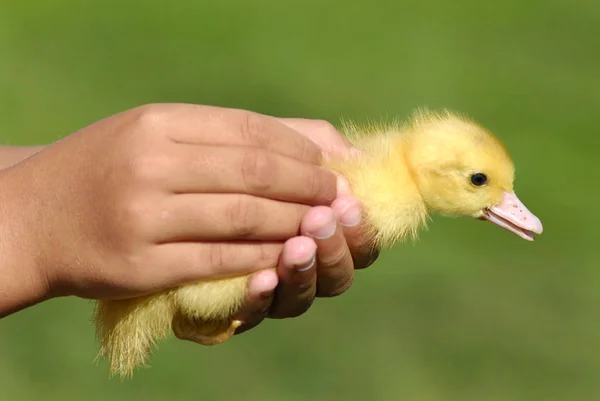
(128, 329)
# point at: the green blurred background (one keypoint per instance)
(470, 312)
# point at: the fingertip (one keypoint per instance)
(263, 282)
(343, 202)
(301, 245)
(319, 222)
(348, 210)
(299, 253)
(319, 213)
(362, 246)
(343, 186)
(298, 274)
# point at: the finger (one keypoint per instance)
(359, 240)
(237, 169)
(195, 124)
(178, 263)
(324, 134)
(335, 270)
(297, 278)
(259, 296)
(224, 217)
(320, 132)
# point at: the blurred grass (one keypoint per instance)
(468, 313)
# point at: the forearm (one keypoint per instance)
(22, 282)
(11, 155)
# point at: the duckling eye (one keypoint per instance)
(478, 179)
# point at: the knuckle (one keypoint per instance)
(329, 131)
(267, 255)
(244, 216)
(309, 151)
(335, 259)
(216, 257)
(329, 187)
(137, 265)
(150, 115)
(264, 256)
(134, 217)
(254, 129)
(153, 123)
(324, 187)
(336, 290)
(258, 170)
(301, 211)
(325, 127)
(151, 167)
(321, 186)
(133, 210)
(313, 185)
(128, 279)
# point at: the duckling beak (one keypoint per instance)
(512, 215)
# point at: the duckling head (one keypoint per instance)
(462, 170)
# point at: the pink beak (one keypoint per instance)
(512, 215)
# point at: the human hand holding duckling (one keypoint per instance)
(127, 188)
(295, 292)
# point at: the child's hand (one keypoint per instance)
(152, 198)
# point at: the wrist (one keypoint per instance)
(25, 280)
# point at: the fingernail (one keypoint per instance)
(265, 282)
(325, 231)
(343, 186)
(350, 217)
(302, 267)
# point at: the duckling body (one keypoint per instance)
(383, 183)
(434, 163)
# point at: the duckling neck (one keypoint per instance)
(382, 180)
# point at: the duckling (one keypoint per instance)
(436, 162)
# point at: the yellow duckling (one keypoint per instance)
(437, 162)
